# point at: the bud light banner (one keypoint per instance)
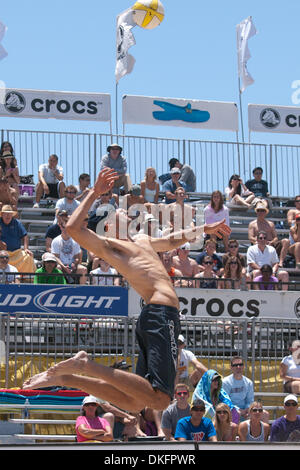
(55, 104)
(81, 300)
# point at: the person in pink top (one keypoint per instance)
(89, 426)
(216, 211)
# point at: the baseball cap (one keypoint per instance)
(136, 190)
(91, 399)
(290, 397)
(175, 170)
(181, 338)
(49, 257)
(197, 402)
(185, 246)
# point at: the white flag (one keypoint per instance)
(125, 40)
(245, 30)
(3, 30)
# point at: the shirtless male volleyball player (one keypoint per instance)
(157, 327)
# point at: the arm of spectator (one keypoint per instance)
(252, 233)
(48, 242)
(104, 435)
(25, 242)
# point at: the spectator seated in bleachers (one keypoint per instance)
(6, 147)
(187, 360)
(184, 263)
(167, 260)
(233, 277)
(150, 186)
(265, 281)
(14, 235)
(187, 174)
(178, 409)
(54, 230)
(196, 427)
(210, 250)
(104, 274)
(150, 422)
(216, 211)
(48, 273)
(69, 254)
(67, 203)
(181, 213)
(113, 159)
(10, 169)
(83, 186)
(89, 426)
(233, 250)
(237, 194)
(226, 430)
(207, 277)
(7, 271)
(50, 181)
(294, 249)
(261, 223)
(291, 215)
(150, 226)
(211, 391)
(254, 429)
(262, 253)
(8, 195)
(289, 370)
(259, 187)
(287, 427)
(133, 197)
(170, 186)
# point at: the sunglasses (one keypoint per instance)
(261, 210)
(3, 257)
(91, 404)
(262, 238)
(257, 410)
(182, 394)
(233, 262)
(291, 403)
(208, 262)
(240, 364)
(198, 408)
(233, 246)
(70, 192)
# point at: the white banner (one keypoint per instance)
(125, 39)
(273, 118)
(56, 105)
(180, 112)
(245, 30)
(215, 303)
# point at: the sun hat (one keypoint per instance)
(7, 209)
(114, 145)
(261, 206)
(49, 257)
(91, 399)
(7, 154)
(290, 397)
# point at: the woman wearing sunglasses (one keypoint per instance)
(233, 272)
(208, 277)
(225, 428)
(238, 194)
(254, 429)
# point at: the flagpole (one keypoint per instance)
(117, 128)
(239, 85)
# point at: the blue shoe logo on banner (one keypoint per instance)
(172, 112)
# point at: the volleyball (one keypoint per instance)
(148, 13)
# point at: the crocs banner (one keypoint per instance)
(47, 104)
(180, 112)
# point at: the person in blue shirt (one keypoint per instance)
(196, 427)
(170, 186)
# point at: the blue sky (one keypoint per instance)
(70, 45)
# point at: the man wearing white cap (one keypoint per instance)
(170, 186)
(49, 273)
(287, 427)
(185, 359)
(188, 266)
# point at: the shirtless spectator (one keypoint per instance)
(8, 195)
(292, 212)
(182, 261)
(83, 187)
(167, 260)
(261, 223)
(50, 180)
(133, 197)
(294, 249)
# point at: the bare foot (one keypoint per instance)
(70, 366)
(40, 380)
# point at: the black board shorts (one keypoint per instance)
(157, 333)
(53, 190)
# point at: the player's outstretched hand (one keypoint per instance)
(218, 228)
(105, 181)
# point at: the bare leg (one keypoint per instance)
(125, 385)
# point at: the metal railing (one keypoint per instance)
(213, 161)
(32, 343)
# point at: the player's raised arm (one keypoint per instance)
(174, 240)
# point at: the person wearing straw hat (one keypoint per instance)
(113, 159)
(15, 235)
